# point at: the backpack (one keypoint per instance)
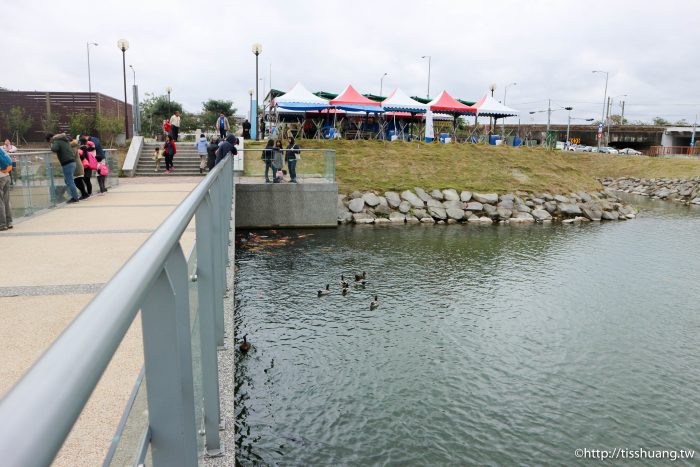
(88, 159)
(102, 170)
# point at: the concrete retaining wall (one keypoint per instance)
(269, 205)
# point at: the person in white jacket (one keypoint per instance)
(201, 146)
(175, 124)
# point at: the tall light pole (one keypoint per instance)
(87, 46)
(168, 90)
(123, 45)
(136, 123)
(257, 50)
(568, 125)
(503, 119)
(429, 60)
(381, 83)
(605, 98)
(250, 105)
(492, 120)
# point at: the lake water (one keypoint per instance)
(501, 345)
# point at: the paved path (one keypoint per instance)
(53, 264)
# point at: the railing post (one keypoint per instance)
(217, 251)
(168, 360)
(206, 278)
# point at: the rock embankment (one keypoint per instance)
(450, 206)
(685, 190)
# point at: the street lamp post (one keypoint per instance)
(605, 98)
(381, 83)
(568, 125)
(168, 90)
(88, 57)
(250, 105)
(503, 119)
(429, 57)
(123, 45)
(257, 50)
(135, 106)
(492, 120)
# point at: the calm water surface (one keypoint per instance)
(500, 345)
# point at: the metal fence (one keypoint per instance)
(38, 181)
(182, 318)
(311, 165)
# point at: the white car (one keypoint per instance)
(608, 150)
(630, 151)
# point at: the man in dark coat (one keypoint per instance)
(229, 145)
(246, 129)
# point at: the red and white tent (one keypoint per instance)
(446, 103)
(351, 100)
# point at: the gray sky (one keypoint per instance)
(203, 50)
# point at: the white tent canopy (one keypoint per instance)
(490, 107)
(401, 102)
(300, 98)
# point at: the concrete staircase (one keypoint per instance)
(186, 160)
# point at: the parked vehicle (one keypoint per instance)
(630, 151)
(608, 150)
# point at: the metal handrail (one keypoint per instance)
(37, 414)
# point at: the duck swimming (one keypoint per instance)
(325, 291)
(359, 277)
(345, 291)
(343, 283)
(375, 304)
(245, 346)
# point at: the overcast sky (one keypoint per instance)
(203, 50)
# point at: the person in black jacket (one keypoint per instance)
(267, 158)
(211, 152)
(246, 129)
(290, 157)
(228, 146)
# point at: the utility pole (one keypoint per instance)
(607, 121)
(622, 117)
(568, 126)
(549, 118)
(692, 137)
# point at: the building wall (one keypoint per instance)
(63, 104)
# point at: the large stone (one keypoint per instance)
(382, 210)
(420, 213)
(592, 212)
(422, 194)
(356, 194)
(411, 219)
(507, 196)
(363, 218)
(397, 217)
(568, 209)
(503, 213)
(561, 199)
(550, 206)
(610, 215)
(381, 220)
(486, 198)
(472, 218)
(383, 201)
(437, 194)
(412, 198)
(427, 220)
(465, 196)
(585, 197)
(522, 217)
(475, 206)
(454, 204)
(663, 193)
(523, 208)
(537, 200)
(696, 200)
(344, 217)
(541, 215)
(485, 220)
(456, 214)
(393, 199)
(357, 205)
(490, 211)
(450, 194)
(371, 199)
(506, 203)
(438, 213)
(404, 207)
(433, 203)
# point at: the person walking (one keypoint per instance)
(246, 129)
(228, 146)
(169, 150)
(262, 128)
(175, 125)
(201, 146)
(222, 125)
(291, 156)
(157, 156)
(267, 158)
(102, 172)
(211, 152)
(10, 150)
(60, 144)
(167, 129)
(277, 159)
(5, 209)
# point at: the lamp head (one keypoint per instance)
(492, 87)
(250, 91)
(168, 89)
(257, 48)
(123, 44)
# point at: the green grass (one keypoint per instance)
(382, 166)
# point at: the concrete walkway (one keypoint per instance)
(53, 264)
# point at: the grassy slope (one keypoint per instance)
(376, 165)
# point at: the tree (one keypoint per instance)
(190, 122)
(618, 120)
(109, 127)
(682, 122)
(18, 123)
(49, 123)
(82, 123)
(211, 110)
(658, 121)
(154, 110)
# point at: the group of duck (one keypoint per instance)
(360, 282)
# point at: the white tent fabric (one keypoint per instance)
(401, 102)
(300, 98)
(429, 132)
(490, 107)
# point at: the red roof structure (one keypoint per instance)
(350, 99)
(446, 103)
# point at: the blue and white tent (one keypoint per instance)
(300, 98)
(399, 101)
